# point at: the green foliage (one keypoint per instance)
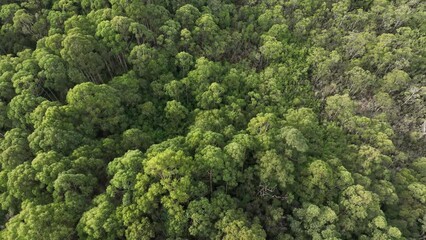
(212, 119)
(315, 222)
(98, 107)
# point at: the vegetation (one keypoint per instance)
(212, 119)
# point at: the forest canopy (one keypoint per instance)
(212, 119)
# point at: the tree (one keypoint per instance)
(359, 205)
(147, 62)
(318, 181)
(177, 164)
(264, 127)
(272, 49)
(20, 108)
(275, 171)
(170, 34)
(187, 16)
(215, 164)
(176, 113)
(48, 166)
(50, 221)
(23, 22)
(360, 80)
(305, 121)
(204, 213)
(395, 81)
(22, 183)
(184, 61)
(135, 138)
(212, 98)
(14, 149)
(116, 36)
(315, 222)
(123, 171)
(295, 139)
(100, 221)
(74, 189)
(56, 132)
(7, 71)
(209, 36)
(201, 214)
(340, 107)
(80, 52)
(235, 225)
(131, 86)
(25, 77)
(54, 73)
(98, 108)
